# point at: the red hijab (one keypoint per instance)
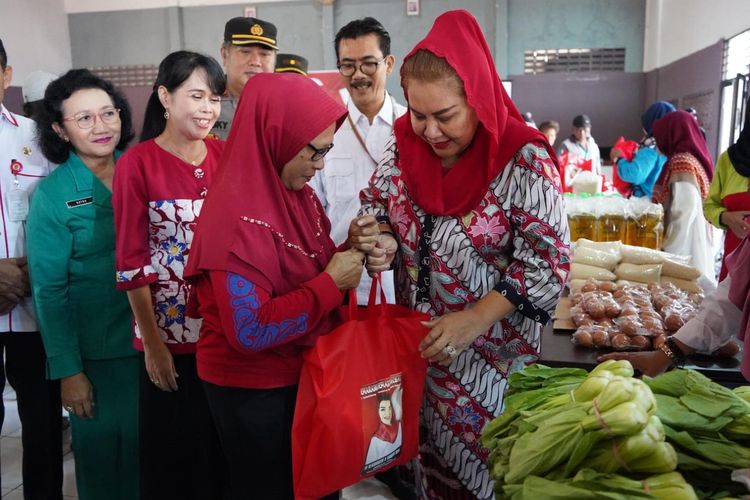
(250, 223)
(457, 37)
(387, 432)
(677, 135)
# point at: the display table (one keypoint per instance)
(559, 351)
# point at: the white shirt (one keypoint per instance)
(688, 232)
(577, 152)
(348, 168)
(17, 142)
(717, 321)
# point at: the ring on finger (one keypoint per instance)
(450, 351)
(69, 409)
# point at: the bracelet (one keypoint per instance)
(385, 228)
(672, 350)
(669, 354)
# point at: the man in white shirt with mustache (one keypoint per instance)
(363, 50)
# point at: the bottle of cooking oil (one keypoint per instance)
(584, 219)
(610, 223)
(634, 229)
(652, 224)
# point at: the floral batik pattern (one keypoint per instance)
(171, 226)
(515, 241)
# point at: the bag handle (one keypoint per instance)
(352, 303)
(371, 300)
(376, 283)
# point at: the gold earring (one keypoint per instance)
(166, 115)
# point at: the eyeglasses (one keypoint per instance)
(86, 120)
(367, 67)
(319, 152)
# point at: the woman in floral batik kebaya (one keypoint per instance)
(158, 193)
(467, 207)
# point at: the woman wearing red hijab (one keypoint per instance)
(682, 187)
(267, 277)
(468, 200)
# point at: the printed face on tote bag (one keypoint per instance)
(381, 422)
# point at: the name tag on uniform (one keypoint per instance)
(80, 202)
(18, 204)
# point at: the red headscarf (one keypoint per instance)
(677, 135)
(250, 223)
(457, 37)
(387, 432)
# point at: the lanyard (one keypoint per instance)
(359, 137)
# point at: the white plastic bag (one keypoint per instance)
(596, 258)
(584, 272)
(640, 255)
(642, 273)
(612, 247)
(687, 285)
(587, 182)
(681, 271)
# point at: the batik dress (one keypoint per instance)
(158, 198)
(515, 241)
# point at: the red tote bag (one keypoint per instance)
(359, 398)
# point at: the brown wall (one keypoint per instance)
(693, 81)
(613, 101)
(13, 100)
(137, 98)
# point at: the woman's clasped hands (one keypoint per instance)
(367, 236)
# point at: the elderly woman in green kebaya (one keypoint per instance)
(84, 320)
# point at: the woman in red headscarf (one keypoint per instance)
(682, 187)
(468, 201)
(267, 277)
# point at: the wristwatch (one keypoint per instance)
(673, 352)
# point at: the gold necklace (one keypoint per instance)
(185, 158)
(198, 172)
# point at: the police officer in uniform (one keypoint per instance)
(249, 48)
(291, 63)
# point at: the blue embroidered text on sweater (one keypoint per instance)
(249, 330)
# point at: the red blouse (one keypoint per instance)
(157, 199)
